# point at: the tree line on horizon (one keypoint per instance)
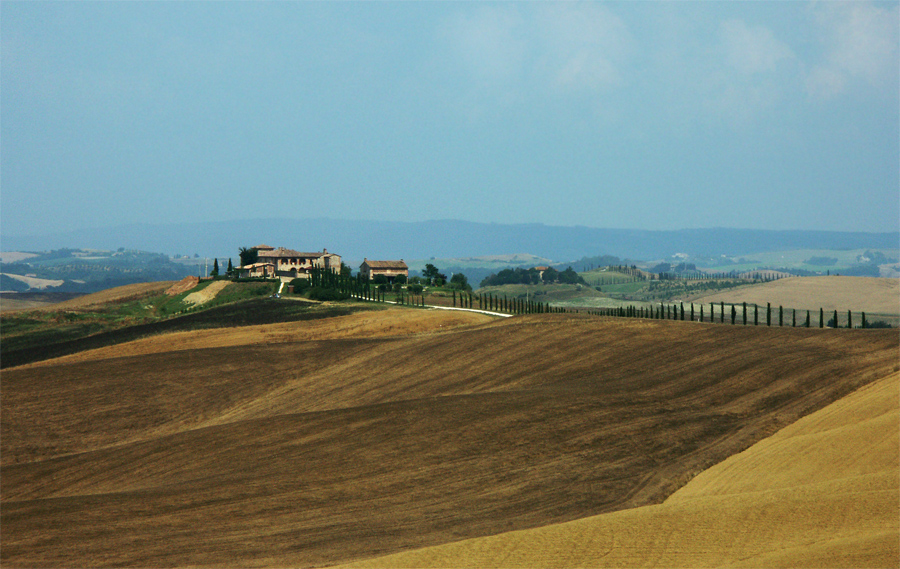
(532, 276)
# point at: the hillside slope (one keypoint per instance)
(859, 294)
(314, 450)
(822, 492)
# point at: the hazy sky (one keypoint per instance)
(770, 115)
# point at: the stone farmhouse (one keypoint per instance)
(288, 264)
(390, 269)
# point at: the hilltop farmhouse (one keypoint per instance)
(288, 264)
(390, 269)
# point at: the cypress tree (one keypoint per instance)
(863, 320)
(682, 312)
(849, 320)
(793, 318)
(835, 319)
(821, 317)
(780, 315)
(454, 298)
(756, 315)
(701, 313)
(807, 319)
(230, 268)
(733, 314)
(692, 312)
(768, 314)
(722, 314)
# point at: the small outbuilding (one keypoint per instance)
(390, 269)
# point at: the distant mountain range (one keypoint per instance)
(355, 240)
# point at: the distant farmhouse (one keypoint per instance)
(288, 264)
(390, 269)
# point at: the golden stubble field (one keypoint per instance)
(326, 442)
(859, 294)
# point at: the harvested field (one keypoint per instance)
(112, 295)
(184, 285)
(34, 282)
(389, 322)
(822, 492)
(208, 293)
(859, 294)
(321, 449)
(13, 301)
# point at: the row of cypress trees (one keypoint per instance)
(677, 312)
(358, 287)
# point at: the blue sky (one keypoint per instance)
(767, 115)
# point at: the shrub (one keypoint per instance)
(300, 285)
(320, 293)
(878, 324)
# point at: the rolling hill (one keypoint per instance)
(869, 294)
(320, 443)
(822, 492)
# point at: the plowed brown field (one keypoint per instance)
(822, 492)
(319, 448)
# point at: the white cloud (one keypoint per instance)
(573, 46)
(752, 49)
(490, 43)
(581, 46)
(861, 46)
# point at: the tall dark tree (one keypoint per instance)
(768, 314)
(745, 314)
(215, 270)
(821, 317)
(430, 273)
(249, 255)
(849, 320)
(230, 270)
(807, 319)
(780, 315)
(733, 314)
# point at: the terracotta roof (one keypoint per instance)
(541, 268)
(282, 252)
(400, 265)
(263, 248)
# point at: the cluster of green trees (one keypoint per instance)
(532, 277)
